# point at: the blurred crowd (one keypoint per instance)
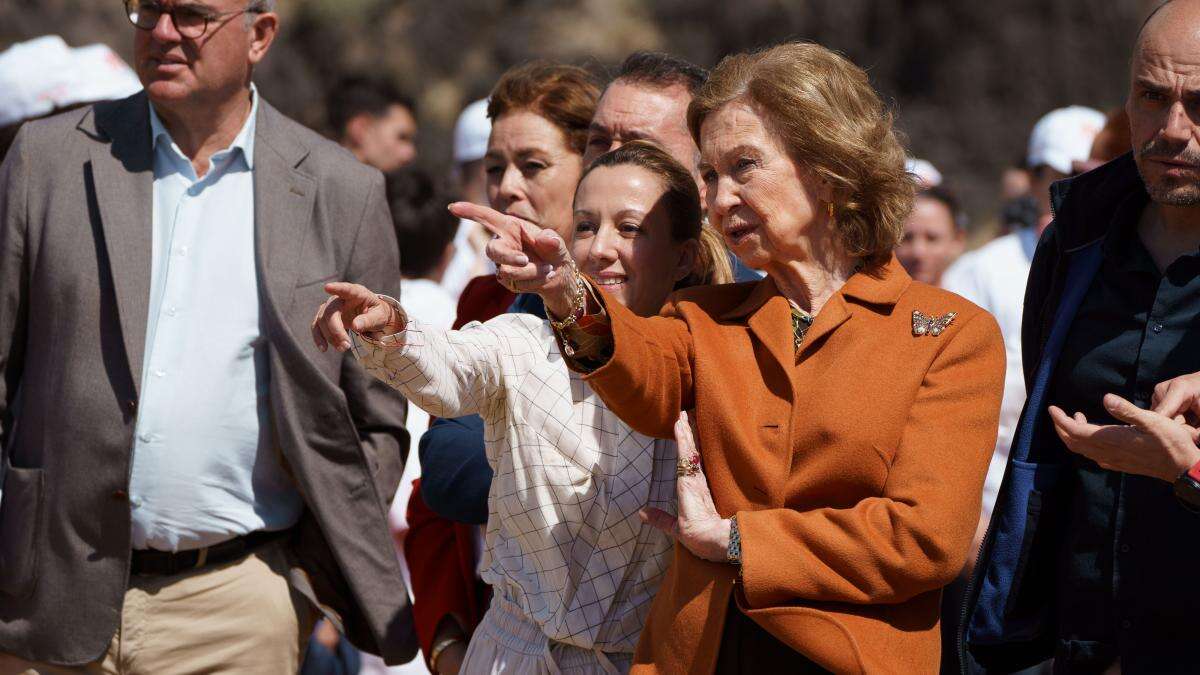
(449, 278)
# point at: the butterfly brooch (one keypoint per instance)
(931, 325)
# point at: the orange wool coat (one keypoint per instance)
(855, 468)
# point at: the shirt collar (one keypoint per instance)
(243, 142)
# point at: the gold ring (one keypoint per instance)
(687, 466)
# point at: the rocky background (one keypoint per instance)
(968, 79)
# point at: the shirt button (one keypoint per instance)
(1124, 548)
(136, 502)
(183, 251)
(1157, 327)
(160, 373)
(146, 438)
(171, 311)
(1126, 624)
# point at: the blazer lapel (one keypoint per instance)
(283, 206)
(122, 172)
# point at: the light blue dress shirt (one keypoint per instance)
(205, 468)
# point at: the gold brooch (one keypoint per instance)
(931, 325)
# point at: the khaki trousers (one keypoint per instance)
(241, 617)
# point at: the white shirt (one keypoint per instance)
(993, 277)
(466, 263)
(564, 540)
(204, 466)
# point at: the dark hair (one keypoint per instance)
(662, 70)
(423, 225)
(682, 201)
(362, 95)
(564, 95)
(946, 196)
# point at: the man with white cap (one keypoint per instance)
(471, 133)
(994, 275)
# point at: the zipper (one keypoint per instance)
(961, 637)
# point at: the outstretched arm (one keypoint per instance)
(445, 373)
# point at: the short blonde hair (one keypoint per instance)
(832, 122)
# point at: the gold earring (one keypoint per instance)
(831, 210)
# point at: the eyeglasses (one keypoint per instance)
(191, 21)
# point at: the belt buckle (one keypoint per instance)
(201, 558)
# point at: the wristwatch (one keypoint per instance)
(733, 554)
(1187, 488)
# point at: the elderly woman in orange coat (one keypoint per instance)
(844, 413)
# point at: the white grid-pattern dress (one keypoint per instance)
(564, 541)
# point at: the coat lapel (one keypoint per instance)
(283, 205)
(122, 171)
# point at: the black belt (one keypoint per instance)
(163, 563)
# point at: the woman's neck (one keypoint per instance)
(810, 283)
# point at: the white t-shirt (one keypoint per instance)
(993, 277)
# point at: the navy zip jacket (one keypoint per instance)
(1009, 618)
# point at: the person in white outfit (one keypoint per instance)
(471, 133)
(572, 565)
(994, 275)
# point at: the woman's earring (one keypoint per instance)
(831, 210)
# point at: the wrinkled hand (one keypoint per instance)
(1149, 444)
(698, 526)
(353, 307)
(1178, 398)
(528, 258)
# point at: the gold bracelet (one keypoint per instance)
(436, 652)
(577, 302)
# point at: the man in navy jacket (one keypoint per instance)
(1094, 544)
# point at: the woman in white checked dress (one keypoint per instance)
(573, 567)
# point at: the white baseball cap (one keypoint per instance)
(1063, 137)
(471, 133)
(43, 74)
(926, 173)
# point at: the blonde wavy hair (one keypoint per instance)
(682, 201)
(834, 124)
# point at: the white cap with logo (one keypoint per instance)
(43, 74)
(471, 132)
(1063, 137)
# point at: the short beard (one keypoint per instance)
(1165, 191)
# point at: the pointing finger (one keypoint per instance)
(1127, 412)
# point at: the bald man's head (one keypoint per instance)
(1164, 103)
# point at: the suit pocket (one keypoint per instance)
(20, 521)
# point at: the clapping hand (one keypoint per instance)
(528, 259)
(698, 526)
(353, 307)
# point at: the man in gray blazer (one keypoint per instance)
(184, 477)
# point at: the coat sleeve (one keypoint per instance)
(448, 373)
(378, 411)
(648, 379)
(455, 474)
(14, 186)
(442, 565)
(914, 537)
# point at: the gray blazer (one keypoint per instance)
(75, 236)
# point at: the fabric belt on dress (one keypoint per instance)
(149, 562)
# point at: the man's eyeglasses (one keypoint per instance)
(191, 21)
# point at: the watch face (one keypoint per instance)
(1187, 490)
